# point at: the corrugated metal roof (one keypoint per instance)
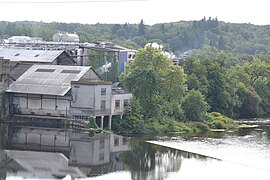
(19, 69)
(48, 79)
(23, 55)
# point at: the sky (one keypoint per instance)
(132, 11)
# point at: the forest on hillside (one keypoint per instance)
(176, 37)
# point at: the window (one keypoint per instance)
(17, 54)
(125, 141)
(101, 156)
(103, 91)
(101, 144)
(103, 105)
(126, 102)
(116, 141)
(36, 55)
(117, 104)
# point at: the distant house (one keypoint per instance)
(53, 57)
(23, 39)
(75, 92)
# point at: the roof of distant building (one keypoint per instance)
(22, 55)
(50, 79)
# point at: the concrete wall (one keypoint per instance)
(4, 83)
(87, 99)
(119, 97)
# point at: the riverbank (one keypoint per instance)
(213, 121)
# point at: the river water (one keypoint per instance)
(242, 154)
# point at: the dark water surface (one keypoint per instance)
(243, 154)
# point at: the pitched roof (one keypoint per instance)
(18, 70)
(22, 55)
(48, 79)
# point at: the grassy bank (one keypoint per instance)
(212, 121)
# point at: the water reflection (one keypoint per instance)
(247, 146)
(98, 156)
(107, 156)
(148, 161)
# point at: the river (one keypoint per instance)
(242, 154)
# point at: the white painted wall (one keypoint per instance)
(87, 99)
(121, 97)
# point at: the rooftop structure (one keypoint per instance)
(50, 79)
(35, 56)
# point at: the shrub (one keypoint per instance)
(217, 124)
(201, 126)
(218, 121)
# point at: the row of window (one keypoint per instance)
(115, 143)
(116, 104)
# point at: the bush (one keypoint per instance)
(201, 126)
(217, 124)
(218, 121)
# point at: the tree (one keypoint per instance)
(141, 28)
(132, 122)
(195, 106)
(154, 80)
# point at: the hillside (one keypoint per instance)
(176, 36)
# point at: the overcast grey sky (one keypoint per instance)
(132, 11)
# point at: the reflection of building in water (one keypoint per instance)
(30, 164)
(90, 151)
(98, 152)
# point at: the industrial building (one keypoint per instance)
(75, 92)
(54, 57)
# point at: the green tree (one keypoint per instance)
(154, 80)
(195, 106)
(132, 122)
(141, 28)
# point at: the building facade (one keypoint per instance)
(74, 92)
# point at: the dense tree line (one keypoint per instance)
(175, 36)
(168, 98)
(209, 86)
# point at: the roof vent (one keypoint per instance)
(71, 71)
(45, 70)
